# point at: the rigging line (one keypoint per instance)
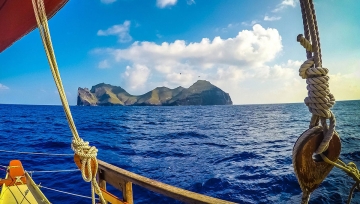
(66, 170)
(41, 18)
(306, 28)
(313, 25)
(82, 196)
(40, 153)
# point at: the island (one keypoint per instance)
(201, 92)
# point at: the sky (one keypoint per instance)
(247, 48)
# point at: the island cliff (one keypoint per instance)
(200, 93)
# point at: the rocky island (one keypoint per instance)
(200, 93)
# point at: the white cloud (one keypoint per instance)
(239, 65)
(190, 2)
(249, 47)
(136, 76)
(289, 87)
(294, 64)
(104, 64)
(165, 3)
(219, 60)
(121, 30)
(284, 4)
(272, 18)
(231, 73)
(107, 1)
(253, 22)
(231, 26)
(3, 87)
(345, 86)
(288, 3)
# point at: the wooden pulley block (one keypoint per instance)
(77, 161)
(311, 173)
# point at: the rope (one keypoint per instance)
(350, 169)
(87, 154)
(306, 28)
(54, 171)
(305, 43)
(2, 167)
(73, 194)
(319, 100)
(39, 153)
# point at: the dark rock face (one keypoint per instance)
(200, 93)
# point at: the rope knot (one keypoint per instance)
(89, 164)
(304, 67)
(319, 100)
(87, 156)
(353, 171)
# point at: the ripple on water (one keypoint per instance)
(237, 153)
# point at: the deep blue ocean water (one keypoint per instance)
(238, 153)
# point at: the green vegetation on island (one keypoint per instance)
(200, 93)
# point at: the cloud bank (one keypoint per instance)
(223, 61)
(248, 48)
(242, 65)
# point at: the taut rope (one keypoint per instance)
(87, 154)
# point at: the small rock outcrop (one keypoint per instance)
(200, 93)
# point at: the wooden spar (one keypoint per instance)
(122, 180)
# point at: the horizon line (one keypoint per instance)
(242, 104)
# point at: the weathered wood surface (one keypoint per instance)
(311, 173)
(122, 179)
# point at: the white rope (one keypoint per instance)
(319, 100)
(39, 153)
(4, 166)
(54, 171)
(9, 166)
(73, 194)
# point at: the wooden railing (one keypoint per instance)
(123, 180)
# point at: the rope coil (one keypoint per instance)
(319, 100)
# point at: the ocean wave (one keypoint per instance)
(243, 157)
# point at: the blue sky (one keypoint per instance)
(247, 48)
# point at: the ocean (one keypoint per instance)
(240, 153)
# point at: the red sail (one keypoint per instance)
(17, 18)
